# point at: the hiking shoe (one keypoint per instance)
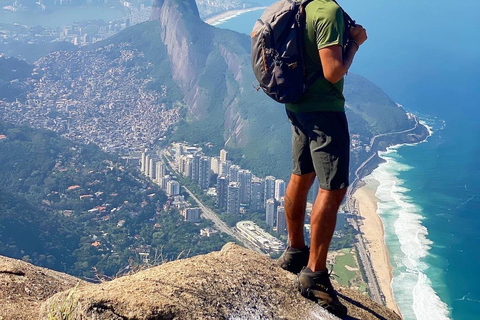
(293, 259)
(317, 287)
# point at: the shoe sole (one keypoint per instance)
(323, 299)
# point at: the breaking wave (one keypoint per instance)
(408, 242)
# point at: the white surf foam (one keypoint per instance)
(412, 288)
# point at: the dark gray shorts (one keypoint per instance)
(321, 143)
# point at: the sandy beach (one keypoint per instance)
(372, 228)
(224, 16)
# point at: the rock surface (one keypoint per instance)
(234, 283)
(24, 287)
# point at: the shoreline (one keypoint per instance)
(227, 15)
(370, 224)
(372, 229)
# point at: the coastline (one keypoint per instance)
(227, 15)
(363, 200)
(371, 227)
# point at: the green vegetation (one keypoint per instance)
(371, 110)
(347, 240)
(347, 270)
(64, 311)
(13, 73)
(72, 208)
(343, 260)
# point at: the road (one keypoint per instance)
(372, 143)
(372, 282)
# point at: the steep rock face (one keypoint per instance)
(209, 65)
(189, 42)
(24, 287)
(234, 283)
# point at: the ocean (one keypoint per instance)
(424, 54)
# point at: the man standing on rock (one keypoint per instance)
(321, 147)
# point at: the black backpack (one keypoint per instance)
(278, 50)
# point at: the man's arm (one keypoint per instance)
(334, 63)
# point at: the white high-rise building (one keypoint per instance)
(215, 165)
(269, 188)
(223, 155)
(281, 220)
(270, 212)
(279, 189)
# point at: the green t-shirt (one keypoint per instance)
(324, 27)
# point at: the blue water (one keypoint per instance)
(425, 55)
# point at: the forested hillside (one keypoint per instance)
(72, 207)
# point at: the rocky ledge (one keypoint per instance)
(234, 283)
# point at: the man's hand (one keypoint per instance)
(359, 34)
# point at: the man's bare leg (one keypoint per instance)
(295, 204)
(323, 220)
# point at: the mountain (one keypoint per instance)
(234, 283)
(73, 208)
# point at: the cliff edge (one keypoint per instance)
(234, 283)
